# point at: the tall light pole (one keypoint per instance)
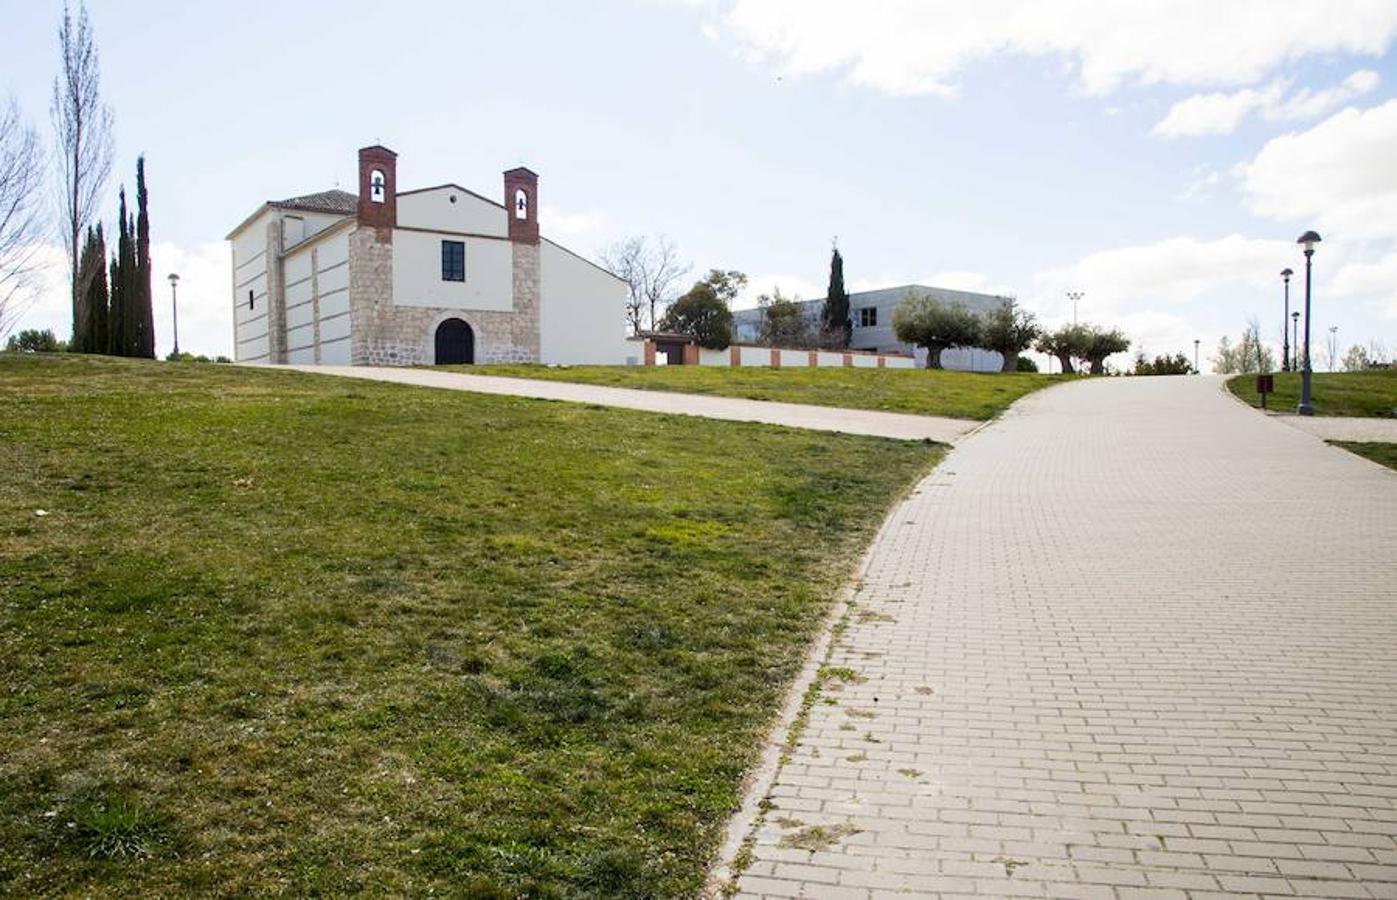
(1333, 345)
(1285, 341)
(1196, 370)
(1074, 296)
(1307, 406)
(174, 309)
(1295, 330)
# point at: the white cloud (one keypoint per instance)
(1338, 176)
(793, 287)
(1222, 113)
(1201, 183)
(1213, 113)
(1175, 270)
(908, 47)
(582, 232)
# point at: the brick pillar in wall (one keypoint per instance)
(378, 191)
(775, 358)
(848, 359)
(813, 358)
(691, 354)
(521, 203)
(521, 199)
(276, 296)
(649, 352)
(734, 355)
(882, 361)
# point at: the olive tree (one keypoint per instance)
(1009, 329)
(924, 321)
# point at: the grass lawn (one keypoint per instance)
(287, 633)
(963, 395)
(1386, 454)
(1368, 393)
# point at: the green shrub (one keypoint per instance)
(32, 340)
(1026, 365)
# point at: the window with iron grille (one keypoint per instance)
(453, 261)
(868, 317)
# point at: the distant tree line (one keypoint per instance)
(110, 298)
(1008, 329)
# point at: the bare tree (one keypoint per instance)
(652, 270)
(21, 173)
(625, 259)
(82, 126)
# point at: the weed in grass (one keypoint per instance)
(910, 773)
(815, 838)
(118, 829)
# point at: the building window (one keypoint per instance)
(251, 300)
(868, 317)
(453, 261)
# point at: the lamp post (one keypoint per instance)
(1307, 407)
(174, 309)
(1196, 370)
(1074, 296)
(1295, 330)
(1285, 342)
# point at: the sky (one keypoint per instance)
(1159, 157)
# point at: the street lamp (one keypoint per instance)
(1285, 343)
(1295, 329)
(174, 309)
(1307, 407)
(1196, 370)
(1074, 296)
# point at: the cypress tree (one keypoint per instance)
(140, 271)
(98, 300)
(835, 326)
(123, 327)
(90, 336)
(115, 309)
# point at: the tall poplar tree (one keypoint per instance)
(82, 128)
(835, 327)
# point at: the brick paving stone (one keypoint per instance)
(1131, 638)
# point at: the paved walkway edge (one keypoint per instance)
(756, 787)
(838, 419)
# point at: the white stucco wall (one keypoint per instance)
(250, 278)
(714, 357)
(795, 359)
(582, 310)
(433, 208)
(417, 280)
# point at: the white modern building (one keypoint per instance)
(872, 315)
(434, 275)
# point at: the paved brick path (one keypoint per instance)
(793, 415)
(1132, 640)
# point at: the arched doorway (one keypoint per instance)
(455, 343)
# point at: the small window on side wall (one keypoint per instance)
(868, 317)
(453, 261)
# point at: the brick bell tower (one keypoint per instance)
(521, 199)
(378, 191)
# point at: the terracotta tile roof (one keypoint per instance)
(339, 202)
